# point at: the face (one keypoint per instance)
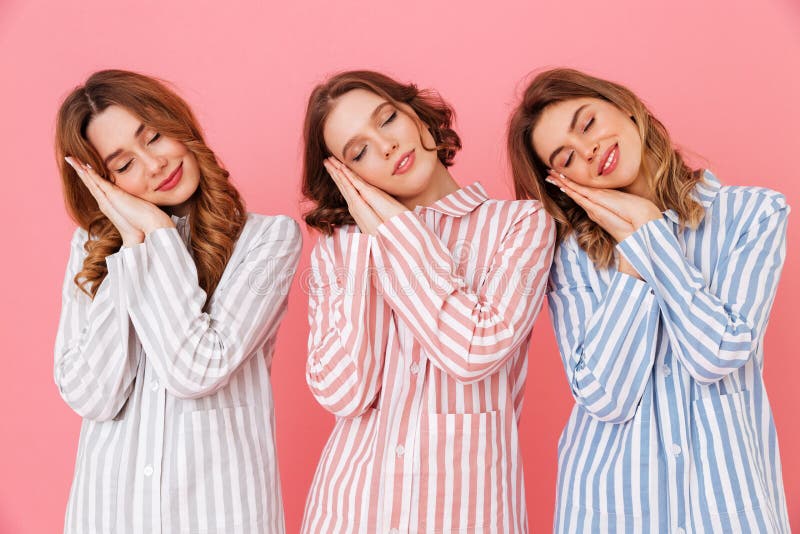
(381, 143)
(590, 141)
(143, 162)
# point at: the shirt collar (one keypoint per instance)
(460, 202)
(182, 225)
(704, 192)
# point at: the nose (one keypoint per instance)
(153, 163)
(589, 151)
(388, 146)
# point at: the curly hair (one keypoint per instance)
(329, 209)
(670, 177)
(217, 211)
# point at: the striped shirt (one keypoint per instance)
(418, 344)
(672, 430)
(178, 425)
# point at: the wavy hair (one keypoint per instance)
(329, 209)
(216, 213)
(670, 177)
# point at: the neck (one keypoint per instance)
(179, 210)
(441, 184)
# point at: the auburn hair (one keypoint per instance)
(216, 213)
(329, 209)
(671, 179)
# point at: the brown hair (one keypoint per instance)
(217, 212)
(329, 207)
(671, 178)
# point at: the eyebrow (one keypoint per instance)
(118, 151)
(571, 127)
(374, 114)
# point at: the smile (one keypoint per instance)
(171, 180)
(609, 161)
(405, 163)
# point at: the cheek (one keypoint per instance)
(132, 184)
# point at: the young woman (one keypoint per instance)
(171, 303)
(422, 299)
(660, 294)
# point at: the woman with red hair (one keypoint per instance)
(171, 303)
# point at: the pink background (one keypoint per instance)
(724, 75)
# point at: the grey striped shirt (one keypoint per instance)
(178, 423)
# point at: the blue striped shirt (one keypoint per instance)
(672, 430)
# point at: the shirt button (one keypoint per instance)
(400, 450)
(679, 530)
(676, 449)
(414, 369)
(148, 470)
(154, 385)
(666, 370)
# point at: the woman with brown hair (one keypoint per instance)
(171, 303)
(422, 298)
(660, 294)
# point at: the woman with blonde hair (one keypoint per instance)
(172, 299)
(660, 294)
(422, 298)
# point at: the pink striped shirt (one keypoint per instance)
(418, 344)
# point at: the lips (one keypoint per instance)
(608, 162)
(404, 163)
(171, 180)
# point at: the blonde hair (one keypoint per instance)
(671, 178)
(217, 212)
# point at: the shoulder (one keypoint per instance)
(737, 200)
(520, 210)
(79, 238)
(259, 229)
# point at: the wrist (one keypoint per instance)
(159, 221)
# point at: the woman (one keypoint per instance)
(422, 299)
(171, 303)
(660, 293)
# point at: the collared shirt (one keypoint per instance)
(418, 344)
(178, 425)
(672, 430)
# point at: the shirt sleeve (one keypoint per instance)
(714, 330)
(606, 336)
(348, 322)
(195, 352)
(469, 334)
(95, 350)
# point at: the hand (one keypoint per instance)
(618, 213)
(369, 206)
(133, 217)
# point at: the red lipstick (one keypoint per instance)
(404, 163)
(171, 180)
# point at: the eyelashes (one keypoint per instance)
(389, 119)
(588, 125)
(156, 136)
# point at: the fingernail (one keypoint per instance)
(88, 166)
(563, 190)
(562, 176)
(550, 181)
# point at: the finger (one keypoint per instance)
(554, 178)
(607, 198)
(339, 179)
(90, 184)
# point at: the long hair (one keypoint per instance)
(671, 179)
(217, 212)
(329, 209)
